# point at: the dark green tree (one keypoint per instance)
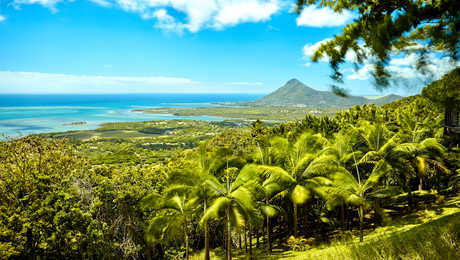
(445, 93)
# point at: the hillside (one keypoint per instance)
(297, 94)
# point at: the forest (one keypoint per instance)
(369, 182)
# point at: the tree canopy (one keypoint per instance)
(445, 92)
(383, 28)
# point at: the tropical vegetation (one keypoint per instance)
(241, 192)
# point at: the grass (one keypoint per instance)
(432, 233)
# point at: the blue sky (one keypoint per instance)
(140, 46)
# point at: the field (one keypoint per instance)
(275, 114)
(143, 142)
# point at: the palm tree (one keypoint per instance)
(271, 184)
(428, 152)
(412, 130)
(233, 201)
(353, 190)
(294, 159)
(203, 192)
(194, 182)
(173, 216)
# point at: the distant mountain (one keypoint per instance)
(296, 94)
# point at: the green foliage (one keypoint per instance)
(44, 211)
(444, 92)
(112, 196)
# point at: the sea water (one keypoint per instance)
(22, 114)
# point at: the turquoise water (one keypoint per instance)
(31, 114)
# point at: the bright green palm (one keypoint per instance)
(292, 159)
(233, 202)
(173, 216)
(428, 152)
(346, 188)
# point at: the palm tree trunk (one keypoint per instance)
(229, 234)
(361, 220)
(269, 241)
(378, 211)
(187, 246)
(206, 236)
(257, 238)
(240, 239)
(306, 215)
(420, 184)
(342, 216)
(250, 240)
(410, 199)
(295, 219)
(245, 240)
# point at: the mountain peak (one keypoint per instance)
(293, 81)
(297, 94)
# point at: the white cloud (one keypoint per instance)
(166, 21)
(309, 49)
(195, 14)
(35, 82)
(235, 12)
(103, 3)
(243, 83)
(361, 74)
(50, 4)
(2, 18)
(313, 16)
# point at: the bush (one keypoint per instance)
(299, 243)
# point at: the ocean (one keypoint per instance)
(22, 114)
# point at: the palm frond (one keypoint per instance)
(271, 210)
(216, 187)
(151, 201)
(300, 194)
(216, 209)
(380, 169)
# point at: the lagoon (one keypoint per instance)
(23, 114)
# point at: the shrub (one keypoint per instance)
(299, 243)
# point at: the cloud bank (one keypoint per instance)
(35, 82)
(195, 14)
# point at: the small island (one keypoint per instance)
(76, 123)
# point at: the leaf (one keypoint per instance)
(300, 194)
(216, 209)
(270, 211)
(378, 171)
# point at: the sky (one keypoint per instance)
(175, 46)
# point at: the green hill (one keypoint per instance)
(296, 94)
